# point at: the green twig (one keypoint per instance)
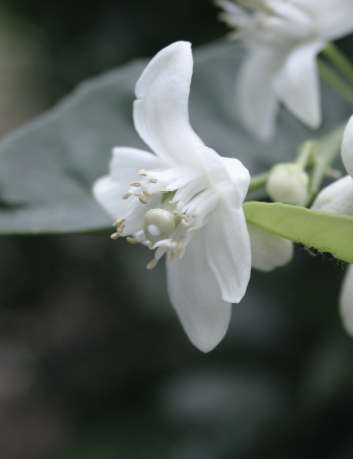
(336, 82)
(258, 181)
(339, 60)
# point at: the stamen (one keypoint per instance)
(164, 191)
(184, 224)
(132, 240)
(142, 201)
(193, 229)
(137, 184)
(142, 172)
(152, 264)
(127, 195)
(115, 235)
(171, 203)
(181, 252)
(119, 222)
(181, 242)
(153, 180)
(151, 245)
(146, 193)
(137, 194)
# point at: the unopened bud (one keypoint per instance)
(287, 183)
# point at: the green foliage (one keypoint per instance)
(325, 232)
(47, 168)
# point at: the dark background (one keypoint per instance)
(93, 361)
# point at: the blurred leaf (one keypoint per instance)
(47, 168)
(325, 232)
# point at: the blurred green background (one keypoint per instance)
(93, 361)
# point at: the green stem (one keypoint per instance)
(336, 82)
(258, 181)
(339, 60)
(306, 154)
(327, 150)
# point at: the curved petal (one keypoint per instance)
(228, 251)
(346, 301)
(256, 100)
(336, 198)
(161, 111)
(196, 297)
(334, 19)
(268, 251)
(126, 162)
(227, 175)
(347, 147)
(297, 84)
(108, 194)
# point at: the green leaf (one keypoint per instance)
(325, 232)
(47, 168)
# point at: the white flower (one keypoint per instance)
(287, 183)
(346, 301)
(283, 38)
(185, 201)
(337, 198)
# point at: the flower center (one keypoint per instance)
(166, 208)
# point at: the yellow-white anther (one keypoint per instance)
(132, 240)
(152, 264)
(153, 180)
(193, 229)
(127, 195)
(137, 184)
(115, 235)
(146, 193)
(142, 172)
(287, 183)
(119, 221)
(142, 201)
(138, 194)
(158, 225)
(164, 191)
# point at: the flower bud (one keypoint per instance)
(158, 224)
(268, 251)
(287, 183)
(336, 198)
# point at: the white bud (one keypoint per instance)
(346, 301)
(158, 224)
(268, 251)
(287, 183)
(347, 147)
(336, 198)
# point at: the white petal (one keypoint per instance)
(124, 167)
(126, 162)
(297, 84)
(256, 100)
(227, 175)
(268, 251)
(161, 111)
(228, 251)
(347, 147)
(108, 194)
(334, 19)
(336, 198)
(346, 301)
(196, 297)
